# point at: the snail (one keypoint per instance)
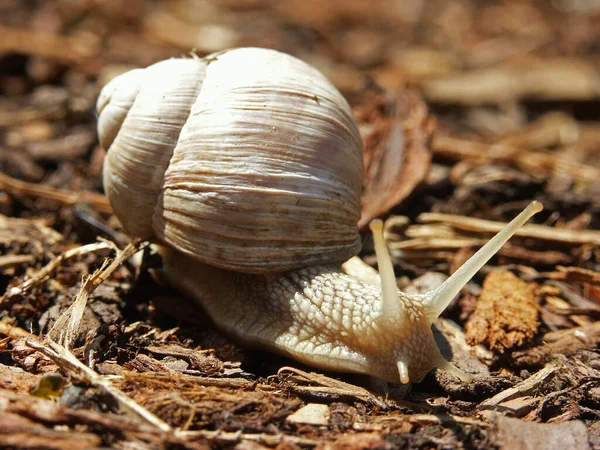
(246, 165)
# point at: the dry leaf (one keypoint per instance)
(396, 131)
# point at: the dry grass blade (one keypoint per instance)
(41, 275)
(18, 187)
(75, 368)
(67, 361)
(538, 162)
(540, 232)
(66, 326)
(327, 386)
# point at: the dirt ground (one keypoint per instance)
(468, 111)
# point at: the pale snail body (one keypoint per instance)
(250, 160)
(317, 315)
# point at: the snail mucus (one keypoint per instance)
(246, 166)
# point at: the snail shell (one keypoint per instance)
(248, 159)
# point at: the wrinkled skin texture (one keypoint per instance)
(317, 315)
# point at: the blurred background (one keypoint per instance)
(513, 86)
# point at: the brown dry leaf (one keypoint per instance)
(506, 315)
(396, 130)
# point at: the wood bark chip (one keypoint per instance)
(576, 274)
(16, 379)
(506, 315)
(514, 434)
(311, 414)
(203, 361)
(396, 131)
(565, 342)
(369, 441)
(19, 432)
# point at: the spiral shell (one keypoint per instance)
(248, 159)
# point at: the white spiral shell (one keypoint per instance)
(248, 159)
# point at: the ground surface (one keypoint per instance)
(468, 111)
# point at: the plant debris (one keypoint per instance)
(468, 111)
(506, 314)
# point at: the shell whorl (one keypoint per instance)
(248, 159)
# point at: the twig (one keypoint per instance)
(525, 387)
(328, 386)
(194, 380)
(66, 326)
(45, 271)
(540, 232)
(7, 261)
(66, 360)
(14, 332)
(464, 149)
(69, 198)
(225, 437)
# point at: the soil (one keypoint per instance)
(468, 111)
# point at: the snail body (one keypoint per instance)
(247, 166)
(317, 315)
